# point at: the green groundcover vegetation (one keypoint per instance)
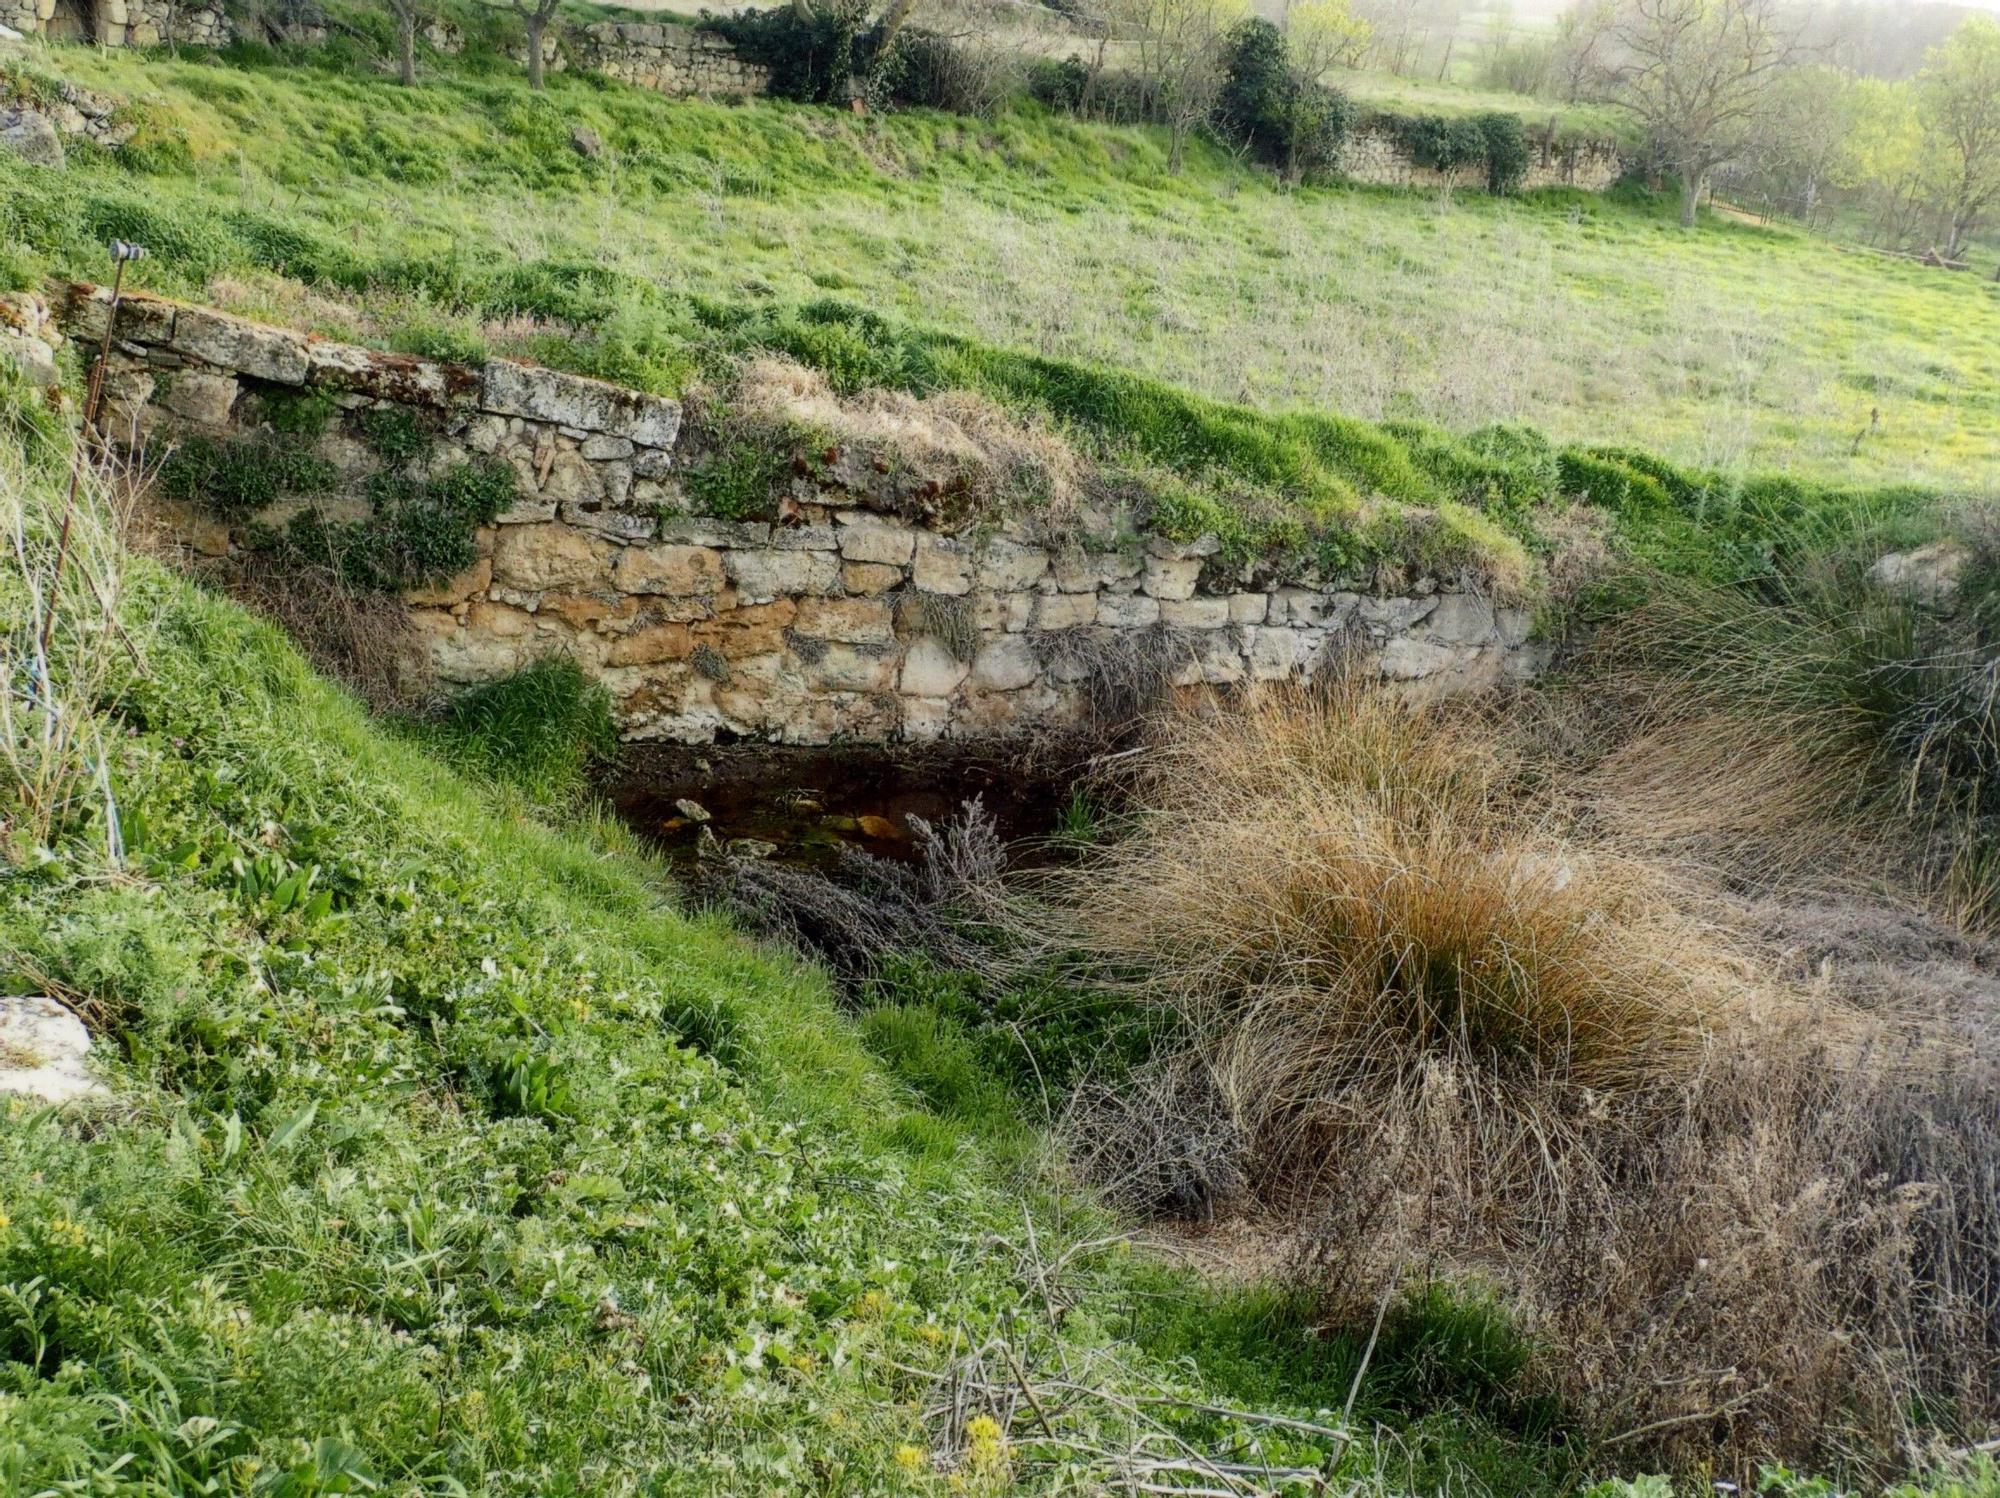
(457, 218)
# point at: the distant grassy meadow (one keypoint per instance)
(1595, 318)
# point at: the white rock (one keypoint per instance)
(1461, 619)
(761, 576)
(877, 541)
(1169, 577)
(1930, 574)
(1005, 567)
(1195, 613)
(44, 1050)
(931, 670)
(1005, 664)
(1127, 610)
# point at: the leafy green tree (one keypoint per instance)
(1700, 76)
(1958, 103)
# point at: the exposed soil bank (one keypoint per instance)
(808, 803)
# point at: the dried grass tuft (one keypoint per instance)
(1465, 1042)
(956, 441)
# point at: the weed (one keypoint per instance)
(535, 730)
(238, 478)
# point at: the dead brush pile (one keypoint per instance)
(1457, 1040)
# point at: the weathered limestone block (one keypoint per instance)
(539, 394)
(1064, 610)
(997, 612)
(199, 396)
(1005, 664)
(1393, 616)
(805, 538)
(853, 668)
(402, 379)
(1195, 613)
(853, 621)
(1461, 619)
(273, 354)
(926, 718)
(680, 571)
(943, 565)
(697, 530)
(1128, 610)
(930, 670)
(868, 579)
(1007, 567)
(1249, 608)
(1405, 658)
(537, 557)
(763, 576)
(867, 539)
(30, 135)
(758, 629)
(1274, 652)
(1213, 657)
(1171, 577)
(655, 643)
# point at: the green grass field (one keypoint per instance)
(450, 1152)
(1592, 317)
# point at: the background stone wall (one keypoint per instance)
(1372, 154)
(669, 59)
(845, 621)
(121, 23)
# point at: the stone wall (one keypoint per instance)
(121, 23)
(1372, 153)
(669, 59)
(846, 620)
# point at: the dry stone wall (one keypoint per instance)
(121, 23)
(670, 59)
(845, 621)
(1371, 153)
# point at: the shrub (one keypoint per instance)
(1812, 714)
(811, 54)
(1507, 152)
(1266, 106)
(1442, 143)
(1487, 1057)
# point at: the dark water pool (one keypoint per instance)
(803, 805)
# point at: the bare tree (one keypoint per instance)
(1699, 76)
(409, 15)
(536, 16)
(1178, 46)
(1958, 102)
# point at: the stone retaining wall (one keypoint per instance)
(121, 23)
(669, 59)
(844, 621)
(1371, 153)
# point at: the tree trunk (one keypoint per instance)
(1691, 185)
(406, 47)
(537, 25)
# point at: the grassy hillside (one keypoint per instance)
(444, 1153)
(1593, 318)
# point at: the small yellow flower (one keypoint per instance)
(985, 1445)
(910, 1458)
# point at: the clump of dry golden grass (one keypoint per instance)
(1348, 885)
(1460, 1038)
(955, 441)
